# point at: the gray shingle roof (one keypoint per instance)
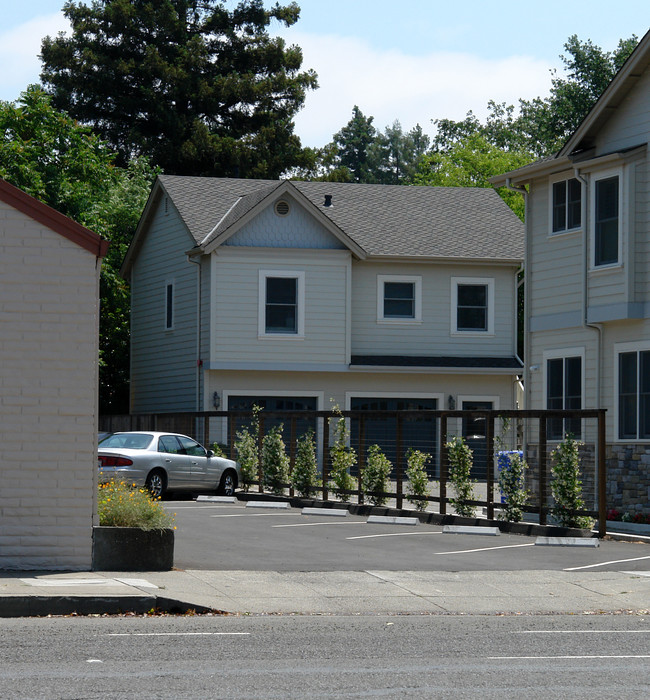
(384, 220)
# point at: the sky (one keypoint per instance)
(412, 61)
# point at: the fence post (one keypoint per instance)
(443, 464)
(398, 500)
(326, 456)
(542, 470)
(231, 422)
(292, 453)
(602, 476)
(489, 440)
(362, 459)
(260, 468)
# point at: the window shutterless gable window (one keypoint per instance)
(566, 205)
(399, 298)
(564, 382)
(472, 305)
(633, 387)
(281, 303)
(606, 221)
(169, 306)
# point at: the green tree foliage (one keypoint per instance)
(343, 457)
(56, 160)
(566, 485)
(375, 475)
(353, 144)
(512, 475)
(460, 467)
(418, 479)
(275, 462)
(247, 452)
(304, 477)
(198, 88)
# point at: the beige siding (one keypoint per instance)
(48, 396)
(433, 334)
(236, 306)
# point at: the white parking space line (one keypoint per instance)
(586, 656)
(393, 534)
(581, 632)
(256, 515)
(350, 522)
(217, 506)
(488, 549)
(179, 634)
(606, 563)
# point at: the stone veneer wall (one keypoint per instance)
(628, 477)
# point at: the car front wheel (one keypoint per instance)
(227, 484)
(156, 483)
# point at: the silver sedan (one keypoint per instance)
(165, 462)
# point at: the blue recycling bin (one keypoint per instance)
(503, 462)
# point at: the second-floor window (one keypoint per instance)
(606, 221)
(281, 303)
(472, 308)
(634, 395)
(399, 298)
(563, 392)
(567, 205)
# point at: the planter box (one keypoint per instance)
(132, 549)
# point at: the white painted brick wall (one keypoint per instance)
(48, 385)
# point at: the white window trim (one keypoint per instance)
(562, 354)
(417, 291)
(261, 312)
(489, 283)
(563, 177)
(634, 346)
(169, 283)
(596, 177)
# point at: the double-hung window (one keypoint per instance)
(399, 298)
(169, 306)
(564, 381)
(472, 305)
(566, 205)
(633, 370)
(281, 303)
(606, 221)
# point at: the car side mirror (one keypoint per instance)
(210, 453)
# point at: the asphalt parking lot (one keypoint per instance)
(232, 536)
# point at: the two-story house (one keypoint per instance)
(293, 294)
(588, 277)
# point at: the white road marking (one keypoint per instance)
(94, 661)
(606, 563)
(582, 632)
(257, 515)
(179, 634)
(393, 534)
(350, 522)
(488, 549)
(594, 656)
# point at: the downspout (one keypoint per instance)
(526, 268)
(199, 362)
(585, 284)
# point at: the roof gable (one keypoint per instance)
(371, 220)
(52, 219)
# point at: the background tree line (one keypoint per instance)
(191, 87)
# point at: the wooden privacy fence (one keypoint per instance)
(487, 432)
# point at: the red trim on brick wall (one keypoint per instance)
(53, 219)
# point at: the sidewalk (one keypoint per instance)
(28, 593)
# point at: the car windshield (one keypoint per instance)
(131, 441)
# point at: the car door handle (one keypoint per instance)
(167, 460)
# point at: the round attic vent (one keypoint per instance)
(282, 208)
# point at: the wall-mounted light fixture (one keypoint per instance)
(216, 400)
(451, 402)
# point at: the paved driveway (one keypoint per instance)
(236, 537)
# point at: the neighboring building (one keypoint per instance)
(49, 277)
(588, 277)
(290, 294)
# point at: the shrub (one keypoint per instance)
(275, 462)
(304, 477)
(375, 475)
(512, 470)
(460, 467)
(418, 480)
(125, 505)
(343, 458)
(218, 450)
(247, 452)
(566, 485)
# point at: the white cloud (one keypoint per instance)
(19, 49)
(391, 85)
